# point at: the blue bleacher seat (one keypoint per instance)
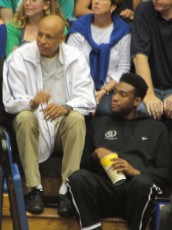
(13, 186)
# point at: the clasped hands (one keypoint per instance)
(52, 110)
(118, 164)
(156, 108)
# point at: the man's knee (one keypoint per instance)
(75, 117)
(141, 183)
(74, 120)
(25, 117)
(25, 120)
(78, 178)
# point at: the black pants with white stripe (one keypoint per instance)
(95, 197)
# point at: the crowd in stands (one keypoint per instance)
(68, 81)
(105, 40)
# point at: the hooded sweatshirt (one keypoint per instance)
(142, 142)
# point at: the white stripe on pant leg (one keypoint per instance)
(147, 203)
(92, 227)
(74, 203)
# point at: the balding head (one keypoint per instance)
(50, 35)
(54, 23)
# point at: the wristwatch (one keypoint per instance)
(68, 108)
(107, 91)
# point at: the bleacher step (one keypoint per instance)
(50, 220)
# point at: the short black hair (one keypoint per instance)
(137, 82)
(116, 2)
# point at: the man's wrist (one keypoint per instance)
(68, 109)
(106, 90)
(150, 92)
(32, 105)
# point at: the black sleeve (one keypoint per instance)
(161, 173)
(127, 4)
(141, 34)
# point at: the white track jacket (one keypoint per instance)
(22, 79)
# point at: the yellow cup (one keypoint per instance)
(116, 177)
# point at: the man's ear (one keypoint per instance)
(138, 101)
(113, 8)
(63, 37)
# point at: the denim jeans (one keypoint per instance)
(161, 94)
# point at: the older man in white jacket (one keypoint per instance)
(47, 84)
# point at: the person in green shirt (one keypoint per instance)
(24, 26)
(67, 7)
(13, 4)
(8, 8)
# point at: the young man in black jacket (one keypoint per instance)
(145, 158)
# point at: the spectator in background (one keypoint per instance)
(82, 7)
(24, 26)
(67, 7)
(151, 50)
(3, 37)
(125, 9)
(104, 39)
(8, 8)
(49, 90)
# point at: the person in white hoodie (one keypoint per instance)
(47, 85)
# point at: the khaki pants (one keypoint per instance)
(69, 130)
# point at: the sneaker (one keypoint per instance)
(64, 206)
(34, 201)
